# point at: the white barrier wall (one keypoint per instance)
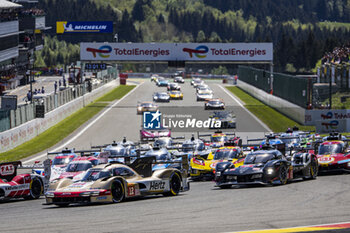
(25, 132)
(289, 109)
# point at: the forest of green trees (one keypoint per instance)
(301, 30)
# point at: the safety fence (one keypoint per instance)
(297, 90)
(339, 74)
(24, 113)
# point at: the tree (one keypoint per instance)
(200, 37)
(137, 11)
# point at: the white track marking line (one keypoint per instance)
(241, 105)
(291, 228)
(86, 127)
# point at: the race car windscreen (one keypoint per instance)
(215, 102)
(95, 174)
(219, 139)
(61, 161)
(289, 141)
(78, 167)
(117, 152)
(254, 158)
(189, 147)
(330, 149)
(225, 154)
(159, 157)
(162, 142)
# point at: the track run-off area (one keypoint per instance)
(205, 208)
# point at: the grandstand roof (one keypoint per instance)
(7, 4)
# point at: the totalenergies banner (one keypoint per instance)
(176, 51)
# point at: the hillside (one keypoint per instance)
(302, 30)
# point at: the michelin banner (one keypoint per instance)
(84, 27)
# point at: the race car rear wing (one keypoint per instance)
(8, 170)
(72, 151)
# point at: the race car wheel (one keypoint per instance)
(36, 189)
(313, 170)
(283, 174)
(175, 185)
(117, 189)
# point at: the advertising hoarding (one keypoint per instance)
(84, 27)
(176, 51)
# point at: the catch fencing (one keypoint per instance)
(297, 90)
(24, 113)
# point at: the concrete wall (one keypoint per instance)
(289, 109)
(25, 132)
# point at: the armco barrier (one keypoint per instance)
(24, 132)
(289, 109)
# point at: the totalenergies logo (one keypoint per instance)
(199, 52)
(101, 51)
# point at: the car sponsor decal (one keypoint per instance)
(101, 198)
(6, 170)
(17, 187)
(157, 185)
(325, 159)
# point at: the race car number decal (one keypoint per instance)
(325, 159)
(131, 191)
(7, 169)
(157, 185)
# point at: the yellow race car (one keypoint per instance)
(204, 168)
(176, 95)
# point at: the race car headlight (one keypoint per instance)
(349, 164)
(218, 173)
(85, 194)
(270, 171)
(139, 108)
(95, 193)
(156, 97)
(50, 195)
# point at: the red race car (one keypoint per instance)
(27, 186)
(334, 154)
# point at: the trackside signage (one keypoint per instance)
(176, 51)
(85, 27)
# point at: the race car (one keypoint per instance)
(161, 97)
(197, 82)
(153, 134)
(267, 166)
(201, 96)
(214, 104)
(146, 107)
(78, 166)
(27, 186)
(173, 87)
(113, 183)
(176, 95)
(179, 79)
(164, 156)
(227, 119)
(334, 154)
(219, 138)
(162, 82)
(59, 162)
(204, 168)
(154, 77)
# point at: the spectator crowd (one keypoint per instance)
(339, 55)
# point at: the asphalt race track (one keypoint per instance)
(204, 208)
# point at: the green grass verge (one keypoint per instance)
(65, 127)
(275, 120)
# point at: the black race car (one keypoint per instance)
(267, 166)
(227, 119)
